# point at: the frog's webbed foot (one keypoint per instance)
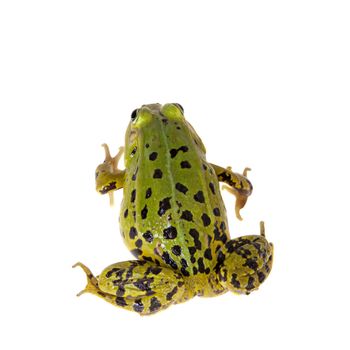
(92, 284)
(236, 184)
(113, 161)
(247, 262)
(109, 177)
(135, 285)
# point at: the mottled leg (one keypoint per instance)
(136, 285)
(109, 177)
(238, 185)
(245, 262)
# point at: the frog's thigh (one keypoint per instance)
(247, 262)
(237, 184)
(136, 285)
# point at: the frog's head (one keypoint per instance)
(151, 122)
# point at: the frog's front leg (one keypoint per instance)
(136, 285)
(238, 185)
(108, 176)
(245, 262)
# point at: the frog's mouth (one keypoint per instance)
(111, 186)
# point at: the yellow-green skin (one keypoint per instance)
(173, 219)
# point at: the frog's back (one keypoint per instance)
(172, 211)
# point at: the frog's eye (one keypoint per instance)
(133, 115)
(179, 107)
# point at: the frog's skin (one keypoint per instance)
(173, 219)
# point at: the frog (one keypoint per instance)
(173, 219)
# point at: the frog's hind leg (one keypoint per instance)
(236, 184)
(245, 262)
(136, 285)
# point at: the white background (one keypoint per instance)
(264, 83)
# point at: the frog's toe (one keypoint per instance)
(108, 156)
(92, 283)
(241, 200)
(262, 229)
(245, 171)
(113, 160)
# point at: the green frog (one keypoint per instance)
(173, 219)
